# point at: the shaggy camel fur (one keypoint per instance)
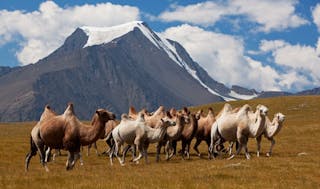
(150, 119)
(173, 133)
(271, 130)
(187, 134)
(204, 129)
(239, 126)
(137, 133)
(67, 132)
(35, 139)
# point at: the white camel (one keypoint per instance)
(137, 134)
(239, 126)
(271, 130)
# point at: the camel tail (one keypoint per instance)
(32, 152)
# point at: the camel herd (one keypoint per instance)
(137, 130)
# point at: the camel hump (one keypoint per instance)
(173, 112)
(244, 110)
(69, 110)
(48, 107)
(186, 110)
(132, 110)
(168, 114)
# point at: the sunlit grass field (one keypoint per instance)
(295, 162)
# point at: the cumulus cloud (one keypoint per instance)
(316, 16)
(269, 15)
(302, 63)
(45, 29)
(206, 13)
(223, 57)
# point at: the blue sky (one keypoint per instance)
(261, 44)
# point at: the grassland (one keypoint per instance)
(294, 164)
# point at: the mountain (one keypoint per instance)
(111, 68)
(315, 91)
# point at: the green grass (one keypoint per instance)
(285, 169)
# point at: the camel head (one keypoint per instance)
(165, 122)
(263, 110)
(280, 117)
(105, 115)
(140, 117)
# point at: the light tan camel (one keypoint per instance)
(239, 126)
(67, 132)
(204, 129)
(271, 130)
(137, 133)
(35, 136)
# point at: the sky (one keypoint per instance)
(260, 44)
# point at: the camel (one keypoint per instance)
(106, 135)
(187, 134)
(239, 126)
(137, 133)
(173, 133)
(204, 129)
(67, 132)
(35, 136)
(271, 130)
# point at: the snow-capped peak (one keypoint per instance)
(102, 35)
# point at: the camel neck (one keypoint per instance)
(91, 133)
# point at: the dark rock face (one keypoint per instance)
(243, 91)
(268, 94)
(129, 70)
(315, 91)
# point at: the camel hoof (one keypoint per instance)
(258, 154)
(231, 157)
(248, 156)
(268, 154)
(137, 162)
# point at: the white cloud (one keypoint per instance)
(270, 15)
(302, 62)
(223, 58)
(206, 13)
(45, 29)
(316, 16)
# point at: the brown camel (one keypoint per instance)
(204, 129)
(187, 135)
(35, 136)
(67, 132)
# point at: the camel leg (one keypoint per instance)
(273, 142)
(145, 152)
(188, 150)
(158, 147)
(243, 141)
(258, 139)
(208, 144)
(48, 154)
(195, 147)
(32, 152)
(96, 148)
(70, 161)
(111, 153)
(183, 150)
(124, 152)
(174, 147)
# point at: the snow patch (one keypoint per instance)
(241, 96)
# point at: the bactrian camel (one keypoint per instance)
(271, 130)
(67, 132)
(35, 139)
(204, 129)
(187, 134)
(173, 133)
(239, 126)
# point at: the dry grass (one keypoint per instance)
(285, 169)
